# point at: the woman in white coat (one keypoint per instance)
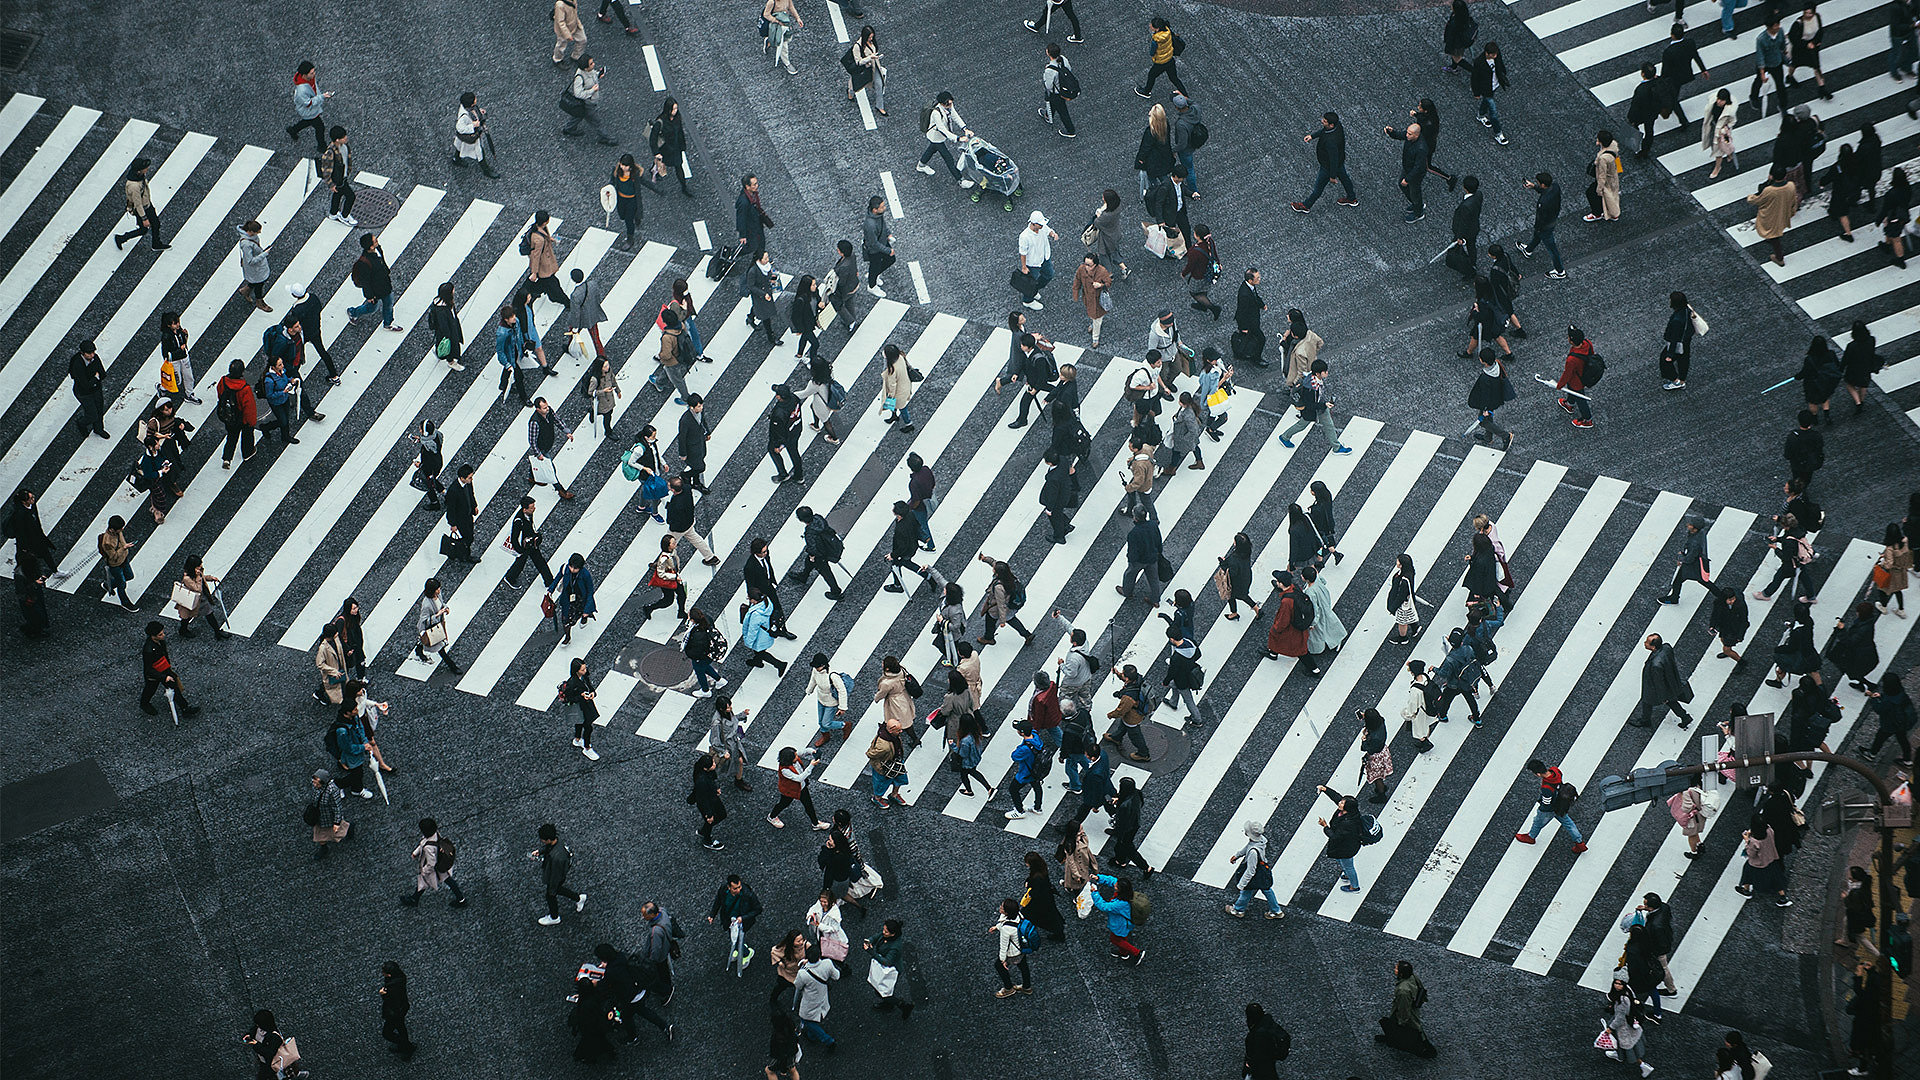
(1716, 132)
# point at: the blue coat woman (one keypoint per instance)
(575, 588)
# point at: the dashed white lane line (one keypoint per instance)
(700, 234)
(893, 195)
(866, 110)
(919, 281)
(653, 67)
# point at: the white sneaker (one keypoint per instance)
(365, 794)
(548, 920)
(877, 291)
(591, 753)
(1034, 304)
(1016, 815)
(456, 365)
(703, 693)
(349, 220)
(925, 168)
(966, 183)
(578, 744)
(580, 904)
(719, 684)
(1646, 1070)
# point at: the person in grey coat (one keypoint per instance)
(554, 860)
(583, 308)
(1106, 228)
(810, 982)
(1186, 117)
(846, 283)
(1185, 437)
(326, 809)
(876, 243)
(254, 270)
(1662, 687)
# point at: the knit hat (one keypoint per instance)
(321, 774)
(298, 290)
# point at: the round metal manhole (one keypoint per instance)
(374, 208)
(659, 667)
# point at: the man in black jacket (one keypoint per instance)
(692, 442)
(1058, 494)
(876, 243)
(1677, 61)
(375, 279)
(1465, 255)
(306, 312)
(1659, 922)
(749, 220)
(1143, 556)
(555, 860)
(1330, 150)
(1692, 565)
(1037, 367)
(1546, 211)
(1806, 449)
(462, 508)
(823, 546)
(765, 580)
(1249, 341)
(1414, 157)
(783, 435)
(89, 381)
(1650, 99)
(680, 521)
(525, 541)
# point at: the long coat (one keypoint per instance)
(425, 854)
(1282, 638)
(1660, 678)
(1327, 631)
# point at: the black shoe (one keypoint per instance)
(742, 784)
(836, 595)
(148, 708)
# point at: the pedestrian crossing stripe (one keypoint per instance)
(1604, 49)
(280, 516)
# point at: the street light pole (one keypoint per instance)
(1891, 817)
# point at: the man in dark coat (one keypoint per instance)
(1415, 155)
(306, 311)
(555, 860)
(462, 508)
(783, 435)
(1058, 494)
(1806, 449)
(89, 381)
(1693, 564)
(1649, 101)
(693, 442)
(1729, 622)
(1249, 341)
(1465, 254)
(762, 577)
(1662, 687)
(749, 221)
(1330, 152)
(1267, 1044)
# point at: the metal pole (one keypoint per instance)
(1883, 1063)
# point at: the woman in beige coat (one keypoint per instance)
(1603, 195)
(567, 31)
(1090, 283)
(1716, 132)
(605, 387)
(196, 579)
(896, 705)
(1774, 205)
(426, 859)
(1078, 865)
(330, 658)
(896, 383)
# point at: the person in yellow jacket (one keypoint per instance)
(1164, 47)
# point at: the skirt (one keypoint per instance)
(1771, 878)
(1406, 616)
(1377, 765)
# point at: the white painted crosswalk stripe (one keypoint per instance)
(52, 153)
(16, 115)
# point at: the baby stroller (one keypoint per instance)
(990, 169)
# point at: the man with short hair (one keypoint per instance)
(325, 810)
(691, 442)
(1555, 804)
(1143, 554)
(1186, 117)
(1662, 686)
(156, 669)
(1546, 211)
(584, 95)
(681, 522)
(1036, 258)
(920, 486)
(1692, 565)
(306, 313)
(335, 169)
(1330, 151)
(822, 546)
(146, 218)
(876, 244)
(584, 311)
(1315, 406)
(89, 377)
(1415, 156)
(846, 285)
(375, 279)
(545, 432)
(554, 860)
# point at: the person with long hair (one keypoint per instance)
(668, 141)
(1154, 161)
(1038, 901)
(867, 70)
(1202, 269)
(792, 786)
(1402, 603)
(577, 695)
(1005, 595)
(803, 314)
(1622, 1016)
(1891, 570)
(1238, 564)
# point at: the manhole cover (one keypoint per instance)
(658, 667)
(374, 208)
(15, 47)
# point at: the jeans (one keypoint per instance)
(1049, 738)
(877, 265)
(1545, 239)
(901, 418)
(1324, 420)
(1491, 112)
(1320, 184)
(883, 784)
(1193, 178)
(1900, 53)
(283, 412)
(1581, 410)
(1727, 8)
(705, 672)
(1346, 868)
(924, 520)
(828, 717)
(1542, 815)
(1246, 895)
(814, 1032)
(1042, 276)
(1185, 696)
(945, 150)
(1169, 70)
(1071, 764)
(384, 303)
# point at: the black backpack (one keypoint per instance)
(1594, 370)
(227, 408)
(832, 547)
(1431, 692)
(1042, 763)
(444, 856)
(1485, 650)
(526, 238)
(1302, 611)
(1068, 83)
(586, 385)
(332, 739)
(1197, 135)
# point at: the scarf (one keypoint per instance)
(309, 78)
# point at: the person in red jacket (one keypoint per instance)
(1043, 711)
(243, 418)
(1283, 639)
(1573, 378)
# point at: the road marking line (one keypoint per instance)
(893, 194)
(839, 24)
(700, 234)
(866, 110)
(919, 281)
(653, 67)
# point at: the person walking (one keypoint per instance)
(1035, 267)
(393, 1010)
(547, 435)
(1060, 85)
(1253, 874)
(1716, 132)
(1692, 564)
(1163, 49)
(238, 411)
(866, 70)
(1092, 286)
(146, 218)
(667, 140)
(309, 102)
(581, 100)
(471, 140)
(945, 130)
(1346, 833)
(1581, 370)
(1491, 390)
(1044, 25)
(325, 812)
(374, 278)
(1546, 211)
(89, 377)
(254, 267)
(792, 787)
(1464, 256)
(1603, 194)
(1774, 206)
(627, 180)
(584, 313)
(1556, 798)
(1292, 617)
(1009, 952)
(1769, 62)
(1457, 36)
(1189, 134)
(1330, 153)
(1622, 1016)
(1415, 155)
(1676, 351)
(336, 169)
(1662, 686)
(555, 859)
(1489, 77)
(876, 246)
(568, 34)
(1314, 405)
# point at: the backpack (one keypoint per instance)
(675, 936)
(1029, 939)
(1374, 833)
(1068, 83)
(1813, 510)
(1142, 908)
(1042, 763)
(1139, 393)
(526, 241)
(1484, 650)
(836, 395)
(1197, 135)
(926, 119)
(831, 546)
(1179, 44)
(1431, 692)
(627, 467)
(1302, 611)
(227, 408)
(444, 855)
(1802, 551)
(1594, 369)
(1019, 598)
(1282, 1039)
(1566, 795)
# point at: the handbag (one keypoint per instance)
(1223, 583)
(847, 61)
(1882, 577)
(1700, 326)
(1218, 399)
(1605, 1039)
(1021, 282)
(882, 978)
(571, 105)
(1106, 300)
(434, 637)
(1089, 235)
(443, 348)
(286, 1057)
(449, 546)
(546, 605)
(185, 596)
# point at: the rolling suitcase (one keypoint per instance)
(723, 262)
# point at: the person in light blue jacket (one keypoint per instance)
(1027, 771)
(1119, 912)
(756, 631)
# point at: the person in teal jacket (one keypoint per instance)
(886, 949)
(508, 343)
(574, 588)
(1119, 912)
(350, 744)
(1027, 757)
